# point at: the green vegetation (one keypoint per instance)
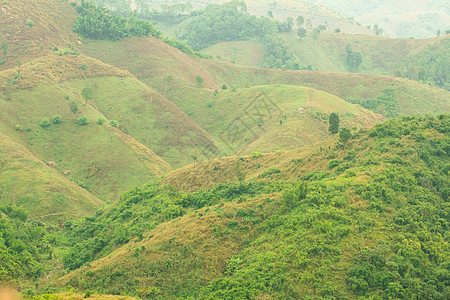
(430, 65)
(82, 120)
(56, 119)
(95, 23)
(334, 123)
(44, 123)
(374, 227)
(386, 104)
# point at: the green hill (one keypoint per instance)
(154, 62)
(367, 209)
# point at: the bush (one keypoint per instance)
(73, 107)
(100, 121)
(30, 23)
(83, 120)
(18, 127)
(114, 123)
(44, 123)
(57, 119)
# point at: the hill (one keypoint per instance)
(335, 221)
(327, 52)
(38, 187)
(154, 62)
(94, 155)
(33, 28)
(419, 19)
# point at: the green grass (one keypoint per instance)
(274, 117)
(151, 61)
(100, 158)
(40, 189)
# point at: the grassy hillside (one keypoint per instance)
(33, 28)
(274, 117)
(419, 19)
(153, 62)
(327, 52)
(38, 187)
(360, 218)
(94, 156)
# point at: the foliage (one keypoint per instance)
(353, 59)
(56, 119)
(100, 121)
(334, 123)
(73, 107)
(44, 123)
(82, 120)
(386, 104)
(23, 245)
(429, 65)
(96, 23)
(344, 135)
(278, 56)
(113, 123)
(224, 23)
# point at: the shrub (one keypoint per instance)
(44, 123)
(114, 123)
(30, 23)
(18, 127)
(83, 120)
(73, 107)
(100, 121)
(256, 154)
(57, 119)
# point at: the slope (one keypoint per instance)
(38, 187)
(100, 158)
(360, 218)
(274, 117)
(33, 28)
(174, 74)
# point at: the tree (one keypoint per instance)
(334, 123)
(270, 14)
(308, 24)
(73, 107)
(44, 123)
(301, 32)
(194, 158)
(199, 79)
(87, 95)
(438, 32)
(300, 21)
(337, 30)
(344, 135)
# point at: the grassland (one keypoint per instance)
(151, 61)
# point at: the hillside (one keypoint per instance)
(92, 155)
(153, 62)
(335, 221)
(38, 187)
(327, 52)
(33, 28)
(419, 19)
